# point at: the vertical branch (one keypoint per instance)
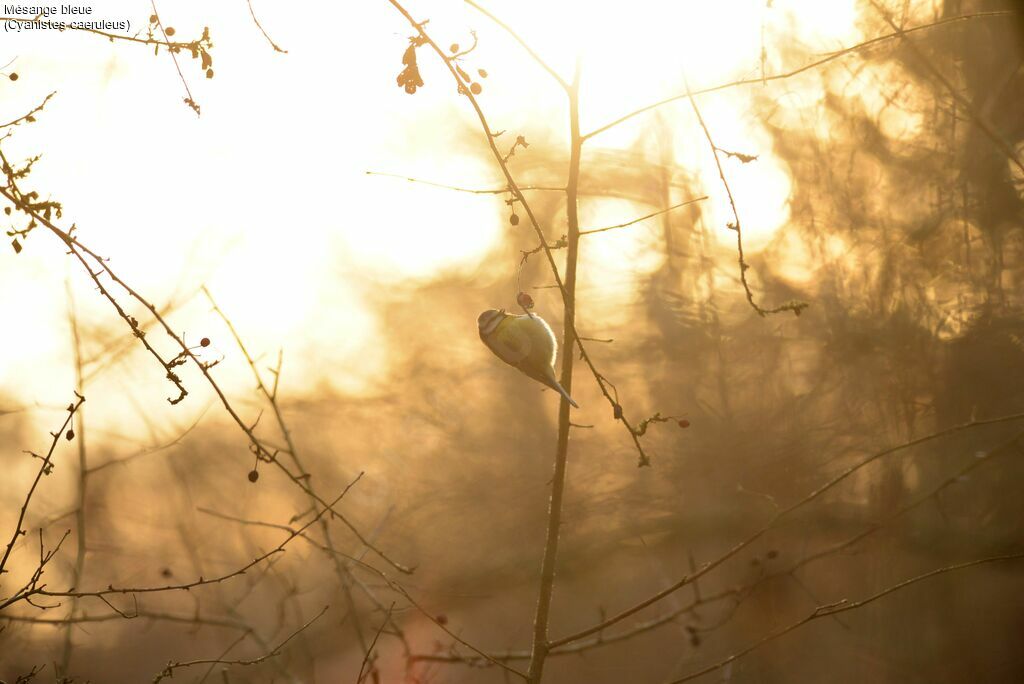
(540, 648)
(81, 485)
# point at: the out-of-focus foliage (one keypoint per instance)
(904, 233)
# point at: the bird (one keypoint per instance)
(524, 342)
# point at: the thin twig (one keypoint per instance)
(45, 467)
(368, 657)
(474, 191)
(711, 565)
(544, 65)
(842, 606)
(262, 30)
(275, 651)
(643, 218)
(794, 306)
(202, 581)
(761, 80)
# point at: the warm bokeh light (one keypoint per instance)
(352, 232)
(268, 199)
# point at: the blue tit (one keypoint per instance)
(525, 342)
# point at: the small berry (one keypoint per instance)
(442, 619)
(684, 423)
(153, 19)
(170, 31)
(70, 435)
(476, 88)
(524, 300)
(254, 475)
(454, 47)
(482, 72)
(205, 342)
(514, 219)
(13, 77)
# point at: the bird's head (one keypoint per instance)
(489, 320)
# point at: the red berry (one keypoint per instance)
(684, 423)
(70, 435)
(254, 475)
(514, 220)
(524, 300)
(205, 342)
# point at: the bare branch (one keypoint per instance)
(796, 307)
(592, 231)
(537, 58)
(256, 21)
(842, 606)
(761, 80)
(711, 565)
(275, 651)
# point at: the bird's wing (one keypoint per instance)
(547, 343)
(510, 342)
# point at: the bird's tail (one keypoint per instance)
(555, 385)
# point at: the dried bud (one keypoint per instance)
(153, 19)
(454, 47)
(441, 619)
(617, 412)
(482, 72)
(684, 423)
(70, 434)
(524, 300)
(254, 475)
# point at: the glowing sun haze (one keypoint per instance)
(265, 198)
